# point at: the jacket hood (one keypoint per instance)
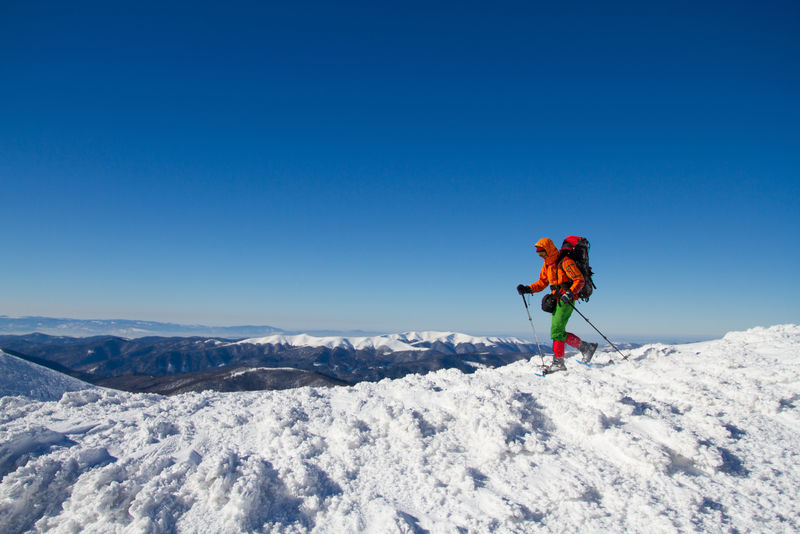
(552, 251)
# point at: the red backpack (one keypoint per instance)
(577, 248)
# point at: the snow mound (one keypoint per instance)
(678, 438)
(20, 377)
(786, 333)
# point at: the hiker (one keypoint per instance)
(566, 281)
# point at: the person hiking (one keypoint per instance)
(566, 282)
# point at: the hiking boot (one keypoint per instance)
(557, 365)
(587, 349)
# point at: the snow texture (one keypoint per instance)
(680, 438)
(19, 377)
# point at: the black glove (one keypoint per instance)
(522, 289)
(569, 296)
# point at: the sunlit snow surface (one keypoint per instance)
(19, 377)
(702, 437)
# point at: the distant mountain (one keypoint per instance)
(446, 342)
(124, 328)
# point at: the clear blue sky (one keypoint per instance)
(387, 166)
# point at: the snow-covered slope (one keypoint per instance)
(688, 438)
(19, 377)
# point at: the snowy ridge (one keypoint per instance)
(20, 377)
(679, 438)
(455, 338)
(385, 343)
(381, 343)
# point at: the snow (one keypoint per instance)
(680, 438)
(385, 343)
(242, 372)
(454, 338)
(20, 377)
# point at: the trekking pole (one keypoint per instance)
(534, 329)
(598, 331)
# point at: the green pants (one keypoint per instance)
(558, 328)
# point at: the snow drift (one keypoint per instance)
(691, 438)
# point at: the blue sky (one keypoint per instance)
(387, 166)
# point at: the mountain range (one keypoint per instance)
(178, 364)
(123, 328)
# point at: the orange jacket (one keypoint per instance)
(557, 272)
